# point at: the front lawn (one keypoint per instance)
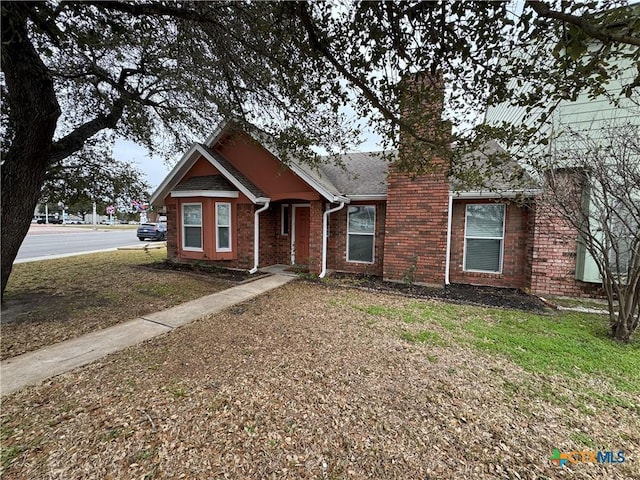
(53, 300)
(315, 382)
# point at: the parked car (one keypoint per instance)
(152, 231)
(51, 220)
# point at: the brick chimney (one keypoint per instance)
(418, 188)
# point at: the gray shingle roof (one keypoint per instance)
(489, 168)
(206, 182)
(360, 174)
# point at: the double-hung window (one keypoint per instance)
(223, 227)
(361, 224)
(484, 238)
(192, 226)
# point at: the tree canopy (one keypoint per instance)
(164, 73)
(93, 175)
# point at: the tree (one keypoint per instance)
(92, 175)
(594, 185)
(170, 70)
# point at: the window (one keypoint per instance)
(192, 226)
(284, 220)
(223, 227)
(361, 223)
(484, 238)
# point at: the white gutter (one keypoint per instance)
(256, 236)
(367, 198)
(479, 194)
(447, 254)
(325, 223)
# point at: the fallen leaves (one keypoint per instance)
(310, 388)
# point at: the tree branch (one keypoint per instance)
(75, 140)
(321, 48)
(543, 10)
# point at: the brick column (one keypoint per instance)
(316, 211)
(416, 228)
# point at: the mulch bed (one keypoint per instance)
(204, 270)
(455, 292)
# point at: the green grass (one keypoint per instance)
(53, 300)
(583, 439)
(568, 344)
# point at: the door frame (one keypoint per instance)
(293, 227)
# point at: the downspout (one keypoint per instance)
(448, 250)
(325, 223)
(256, 237)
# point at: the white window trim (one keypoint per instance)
(373, 250)
(184, 247)
(218, 247)
(464, 252)
(282, 208)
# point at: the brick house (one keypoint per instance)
(230, 201)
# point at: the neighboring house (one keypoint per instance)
(564, 265)
(230, 201)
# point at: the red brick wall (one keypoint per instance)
(514, 264)
(172, 232)
(416, 227)
(316, 211)
(241, 231)
(553, 256)
(337, 242)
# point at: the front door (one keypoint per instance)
(301, 236)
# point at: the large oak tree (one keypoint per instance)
(164, 73)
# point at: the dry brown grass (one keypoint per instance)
(305, 382)
(51, 301)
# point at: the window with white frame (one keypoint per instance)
(192, 226)
(284, 220)
(361, 222)
(484, 238)
(223, 227)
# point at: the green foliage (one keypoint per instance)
(423, 336)
(93, 175)
(567, 344)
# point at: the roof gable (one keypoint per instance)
(189, 159)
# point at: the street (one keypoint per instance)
(44, 241)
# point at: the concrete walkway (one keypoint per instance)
(34, 367)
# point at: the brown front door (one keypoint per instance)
(301, 238)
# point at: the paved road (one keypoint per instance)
(47, 241)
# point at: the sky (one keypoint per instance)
(153, 168)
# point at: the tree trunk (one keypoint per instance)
(34, 111)
(620, 331)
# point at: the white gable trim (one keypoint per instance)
(374, 197)
(295, 168)
(217, 133)
(236, 183)
(184, 165)
(173, 178)
(204, 193)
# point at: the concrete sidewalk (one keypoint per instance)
(33, 367)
